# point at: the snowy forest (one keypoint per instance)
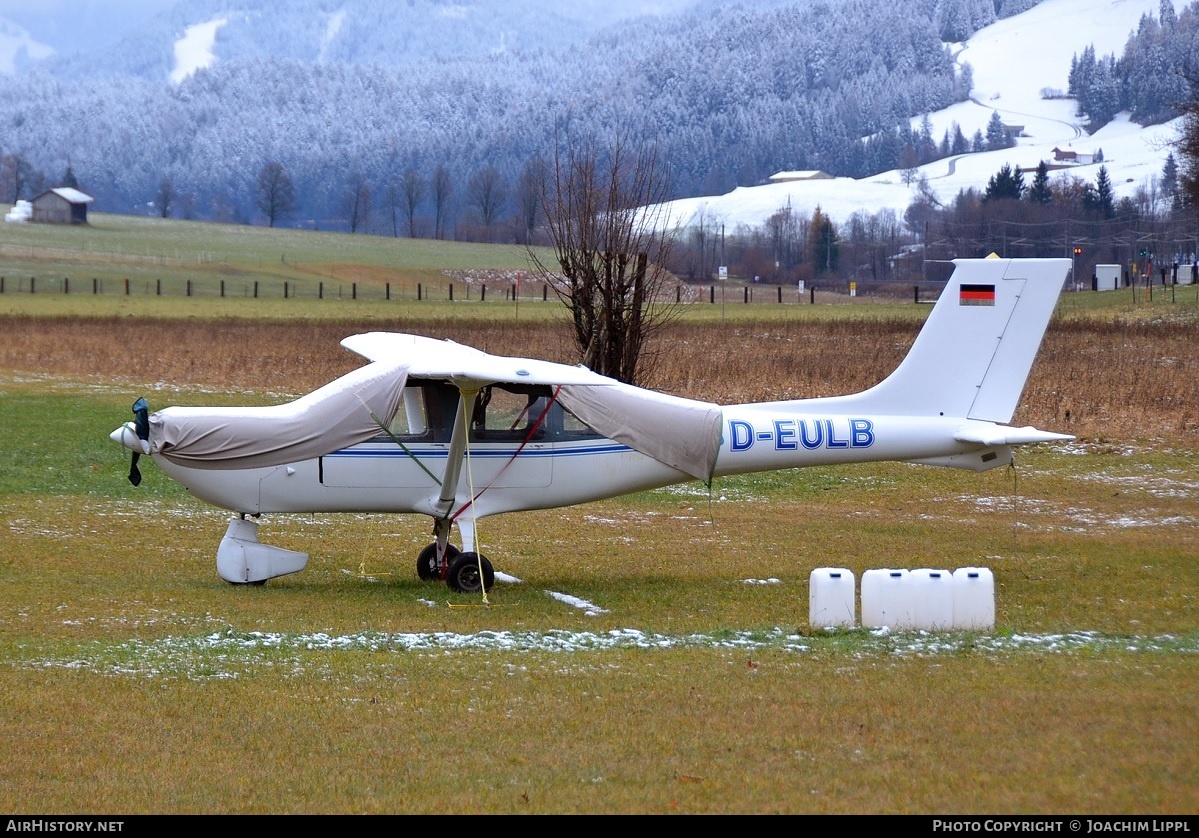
(728, 94)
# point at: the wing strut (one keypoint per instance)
(458, 439)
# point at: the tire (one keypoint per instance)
(463, 574)
(426, 562)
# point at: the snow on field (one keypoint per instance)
(1013, 60)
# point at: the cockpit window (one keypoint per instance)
(501, 412)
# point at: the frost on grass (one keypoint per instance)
(231, 654)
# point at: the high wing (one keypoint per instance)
(465, 366)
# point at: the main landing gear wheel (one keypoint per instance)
(426, 562)
(463, 574)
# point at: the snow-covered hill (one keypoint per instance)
(1013, 60)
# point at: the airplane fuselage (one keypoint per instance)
(384, 476)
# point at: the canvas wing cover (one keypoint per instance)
(450, 361)
(345, 412)
(682, 433)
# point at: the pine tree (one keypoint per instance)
(1169, 181)
(1040, 192)
(1006, 183)
(997, 134)
(68, 178)
(823, 248)
(1105, 200)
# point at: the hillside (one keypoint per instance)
(197, 99)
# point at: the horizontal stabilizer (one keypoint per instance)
(993, 435)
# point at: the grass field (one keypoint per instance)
(653, 653)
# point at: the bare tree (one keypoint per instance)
(393, 200)
(165, 198)
(356, 203)
(1187, 146)
(607, 222)
(526, 200)
(442, 188)
(15, 175)
(488, 193)
(412, 187)
(276, 195)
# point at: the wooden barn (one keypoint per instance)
(63, 205)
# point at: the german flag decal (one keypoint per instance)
(977, 295)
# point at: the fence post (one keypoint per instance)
(746, 295)
(66, 285)
(451, 292)
(256, 289)
(353, 290)
(780, 293)
(915, 293)
(483, 293)
(222, 289)
(712, 294)
(813, 293)
(158, 287)
(189, 288)
(320, 290)
(126, 286)
(285, 289)
(1, 285)
(388, 291)
(32, 285)
(545, 292)
(95, 286)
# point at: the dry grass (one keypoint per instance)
(112, 700)
(1097, 378)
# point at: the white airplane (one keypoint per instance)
(444, 430)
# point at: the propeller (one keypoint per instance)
(135, 436)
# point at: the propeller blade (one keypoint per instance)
(141, 427)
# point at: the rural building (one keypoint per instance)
(63, 205)
(1075, 157)
(788, 177)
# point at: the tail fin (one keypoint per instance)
(973, 355)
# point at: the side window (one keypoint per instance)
(426, 412)
(572, 426)
(503, 413)
(410, 419)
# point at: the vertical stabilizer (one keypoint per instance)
(973, 355)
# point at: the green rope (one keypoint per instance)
(404, 448)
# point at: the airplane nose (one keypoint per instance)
(126, 435)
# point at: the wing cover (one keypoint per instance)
(342, 413)
(683, 433)
(450, 361)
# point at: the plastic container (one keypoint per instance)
(973, 599)
(832, 598)
(932, 599)
(887, 599)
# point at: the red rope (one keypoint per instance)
(532, 430)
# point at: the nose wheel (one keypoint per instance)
(427, 568)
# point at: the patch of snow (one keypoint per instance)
(194, 50)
